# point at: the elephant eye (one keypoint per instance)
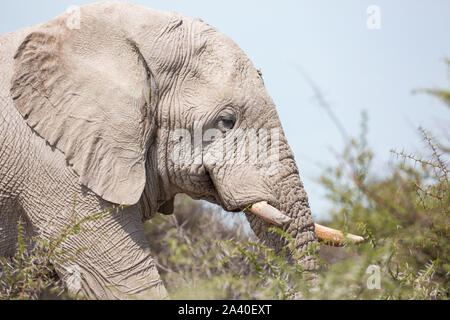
(226, 123)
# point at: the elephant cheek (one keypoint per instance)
(239, 185)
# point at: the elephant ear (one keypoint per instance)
(90, 94)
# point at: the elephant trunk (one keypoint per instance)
(292, 201)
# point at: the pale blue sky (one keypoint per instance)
(356, 68)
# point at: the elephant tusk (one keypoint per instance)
(324, 234)
(335, 237)
(269, 214)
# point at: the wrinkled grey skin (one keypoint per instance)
(85, 122)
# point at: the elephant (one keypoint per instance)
(92, 116)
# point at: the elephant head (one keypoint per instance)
(147, 104)
(219, 135)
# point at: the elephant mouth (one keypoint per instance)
(271, 215)
(324, 234)
(200, 178)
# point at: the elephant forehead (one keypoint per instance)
(211, 55)
(225, 77)
(224, 61)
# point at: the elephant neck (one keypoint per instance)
(158, 188)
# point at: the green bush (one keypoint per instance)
(403, 214)
(203, 253)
